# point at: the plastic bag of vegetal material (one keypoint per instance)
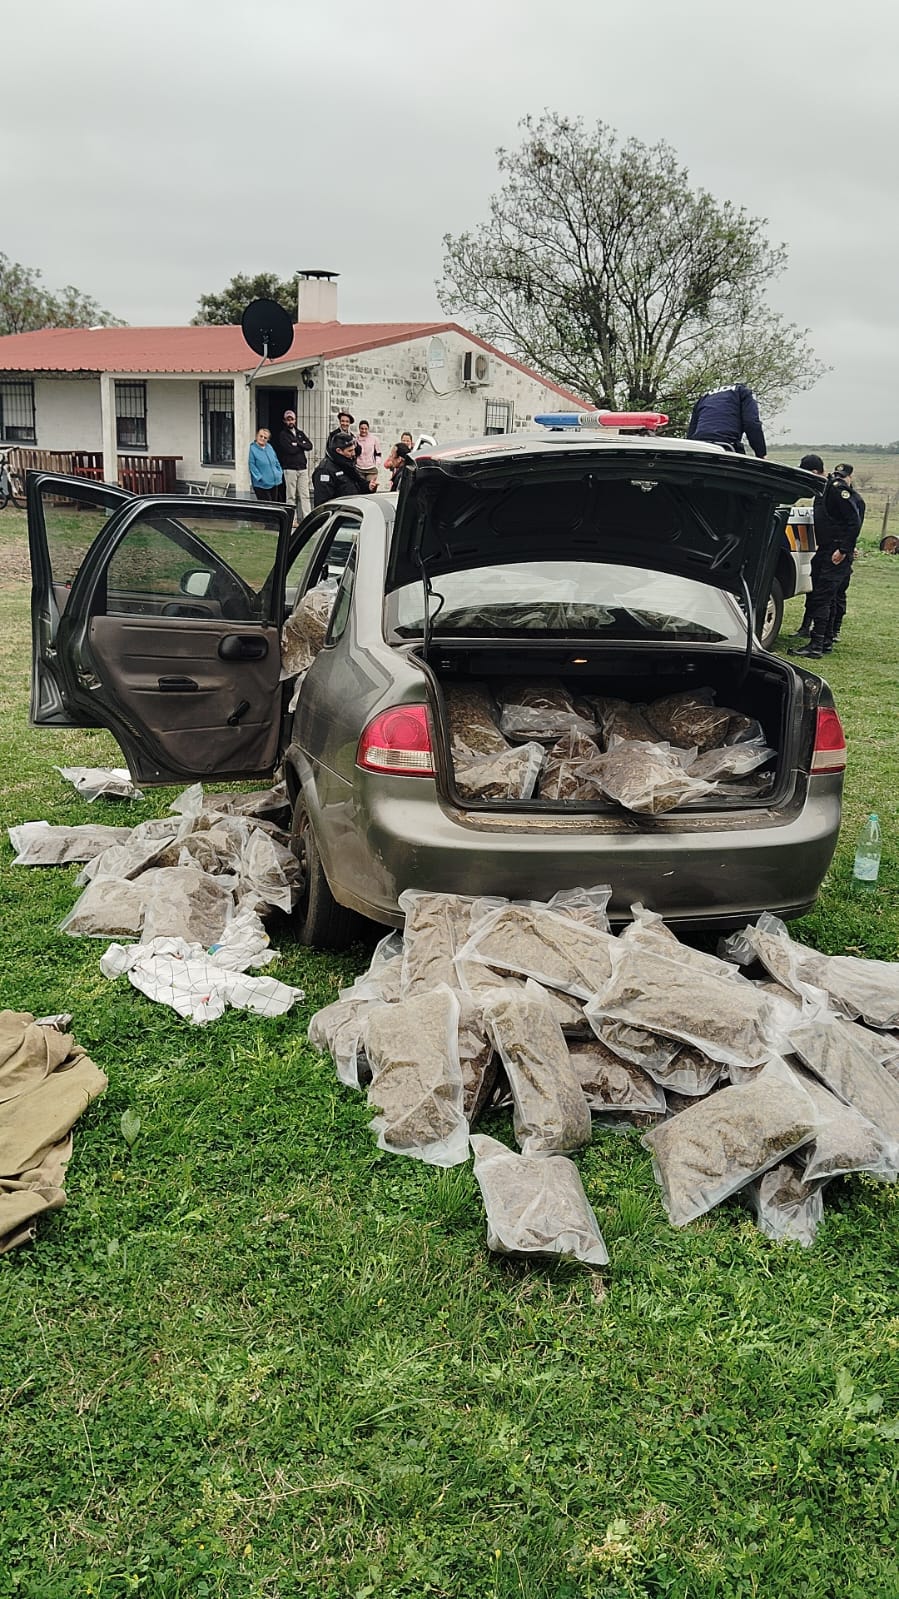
(142, 846)
(691, 720)
(648, 932)
(109, 907)
(535, 1206)
(413, 1051)
(731, 1022)
(39, 844)
(267, 873)
(567, 1011)
(883, 1046)
(586, 905)
(533, 941)
(551, 1114)
(436, 927)
(477, 1059)
(473, 721)
(621, 719)
(265, 804)
(855, 987)
(744, 730)
(844, 1065)
(541, 710)
(691, 1074)
(165, 902)
(613, 1087)
(304, 631)
(338, 1028)
(649, 779)
(571, 770)
(721, 1143)
(506, 776)
(650, 1051)
(720, 765)
(112, 782)
(384, 977)
(846, 1140)
(787, 1207)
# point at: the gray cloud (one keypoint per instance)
(147, 155)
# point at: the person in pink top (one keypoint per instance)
(369, 453)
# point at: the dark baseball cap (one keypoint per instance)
(344, 441)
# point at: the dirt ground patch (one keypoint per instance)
(15, 567)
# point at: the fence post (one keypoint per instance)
(886, 517)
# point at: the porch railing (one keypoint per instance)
(141, 474)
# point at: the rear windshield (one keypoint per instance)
(557, 598)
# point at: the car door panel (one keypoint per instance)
(197, 712)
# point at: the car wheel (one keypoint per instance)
(773, 616)
(890, 544)
(321, 922)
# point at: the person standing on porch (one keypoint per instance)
(368, 454)
(292, 450)
(266, 475)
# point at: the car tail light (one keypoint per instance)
(398, 741)
(829, 754)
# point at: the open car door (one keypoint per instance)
(169, 634)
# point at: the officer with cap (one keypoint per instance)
(292, 449)
(337, 473)
(723, 416)
(837, 524)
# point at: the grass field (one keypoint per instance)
(254, 1358)
(876, 476)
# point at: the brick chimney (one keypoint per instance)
(317, 296)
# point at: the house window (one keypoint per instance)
(498, 416)
(131, 416)
(17, 411)
(217, 412)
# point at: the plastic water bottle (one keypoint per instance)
(867, 855)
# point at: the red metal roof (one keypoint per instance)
(145, 351)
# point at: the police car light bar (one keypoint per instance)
(602, 419)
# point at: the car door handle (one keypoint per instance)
(177, 685)
(243, 647)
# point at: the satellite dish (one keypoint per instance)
(438, 366)
(267, 328)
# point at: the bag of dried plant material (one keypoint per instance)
(582, 905)
(614, 1087)
(883, 1046)
(691, 1074)
(39, 844)
(504, 777)
(436, 927)
(535, 1205)
(649, 932)
(477, 1059)
(744, 730)
(473, 720)
(855, 987)
(413, 1051)
(551, 1114)
(533, 941)
(845, 1066)
(620, 719)
(650, 1051)
(338, 1028)
(649, 779)
(541, 710)
(731, 761)
(846, 1141)
(721, 1143)
(731, 1022)
(304, 631)
(566, 1010)
(690, 720)
(787, 1207)
(571, 770)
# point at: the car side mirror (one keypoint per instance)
(197, 583)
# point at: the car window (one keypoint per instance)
(71, 525)
(559, 597)
(341, 612)
(179, 564)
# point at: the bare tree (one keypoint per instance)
(601, 266)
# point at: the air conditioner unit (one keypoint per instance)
(477, 369)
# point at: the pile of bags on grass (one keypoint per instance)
(533, 740)
(190, 888)
(766, 1072)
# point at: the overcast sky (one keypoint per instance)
(148, 153)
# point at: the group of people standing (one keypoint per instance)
(350, 465)
(723, 416)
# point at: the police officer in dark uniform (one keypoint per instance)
(845, 470)
(723, 416)
(836, 532)
(337, 473)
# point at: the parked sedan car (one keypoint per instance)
(623, 567)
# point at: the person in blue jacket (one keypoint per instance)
(266, 473)
(723, 416)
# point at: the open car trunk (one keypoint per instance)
(768, 734)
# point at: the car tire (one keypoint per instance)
(319, 920)
(772, 618)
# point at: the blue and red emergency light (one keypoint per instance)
(602, 419)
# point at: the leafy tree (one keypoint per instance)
(601, 266)
(229, 305)
(25, 304)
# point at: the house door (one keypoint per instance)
(270, 407)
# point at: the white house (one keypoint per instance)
(152, 406)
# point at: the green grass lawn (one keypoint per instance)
(254, 1358)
